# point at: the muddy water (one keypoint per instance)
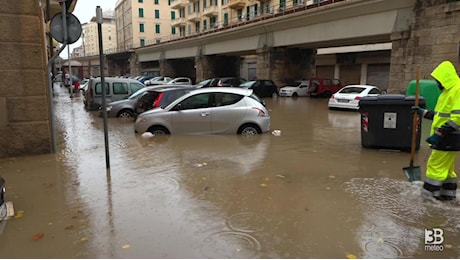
(312, 192)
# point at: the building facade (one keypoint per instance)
(90, 37)
(142, 22)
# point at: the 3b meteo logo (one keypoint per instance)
(433, 240)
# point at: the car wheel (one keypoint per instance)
(125, 114)
(295, 94)
(249, 129)
(158, 130)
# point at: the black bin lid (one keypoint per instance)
(390, 99)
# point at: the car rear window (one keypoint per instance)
(225, 99)
(171, 96)
(351, 90)
(253, 96)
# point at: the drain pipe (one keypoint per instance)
(50, 82)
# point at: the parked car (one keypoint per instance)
(144, 78)
(180, 81)
(298, 88)
(157, 81)
(227, 82)
(262, 87)
(323, 87)
(116, 89)
(203, 84)
(126, 108)
(220, 110)
(160, 97)
(3, 210)
(348, 97)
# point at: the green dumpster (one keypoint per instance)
(428, 89)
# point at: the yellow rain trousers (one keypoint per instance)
(441, 164)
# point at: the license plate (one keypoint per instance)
(342, 100)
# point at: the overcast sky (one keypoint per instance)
(84, 11)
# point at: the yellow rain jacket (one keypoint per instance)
(447, 108)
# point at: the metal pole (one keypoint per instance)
(70, 71)
(104, 102)
(50, 82)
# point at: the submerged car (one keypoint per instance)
(160, 97)
(296, 89)
(125, 108)
(219, 110)
(3, 210)
(348, 97)
(262, 87)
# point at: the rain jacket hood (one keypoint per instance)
(446, 74)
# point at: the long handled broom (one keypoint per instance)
(413, 172)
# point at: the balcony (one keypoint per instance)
(194, 17)
(193, 1)
(176, 4)
(181, 21)
(210, 11)
(237, 4)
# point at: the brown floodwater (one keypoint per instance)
(311, 192)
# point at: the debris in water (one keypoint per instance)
(263, 185)
(126, 246)
(147, 135)
(276, 132)
(38, 236)
(351, 256)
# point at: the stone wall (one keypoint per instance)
(25, 127)
(434, 37)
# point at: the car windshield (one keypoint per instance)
(247, 84)
(204, 82)
(137, 93)
(352, 90)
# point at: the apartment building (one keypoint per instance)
(90, 37)
(189, 17)
(142, 22)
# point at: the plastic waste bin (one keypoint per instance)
(387, 122)
(428, 89)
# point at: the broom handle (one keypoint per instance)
(414, 123)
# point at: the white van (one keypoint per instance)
(116, 89)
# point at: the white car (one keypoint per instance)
(298, 89)
(180, 81)
(157, 81)
(348, 97)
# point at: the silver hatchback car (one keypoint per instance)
(220, 110)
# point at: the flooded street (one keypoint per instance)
(312, 192)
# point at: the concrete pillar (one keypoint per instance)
(363, 79)
(285, 64)
(134, 66)
(216, 66)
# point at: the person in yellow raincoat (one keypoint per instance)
(441, 179)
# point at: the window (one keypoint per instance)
(156, 2)
(98, 88)
(204, 4)
(196, 101)
(157, 14)
(173, 15)
(197, 27)
(212, 22)
(240, 14)
(204, 25)
(135, 87)
(141, 27)
(120, 88)
(157, 28)
(141, 12)
(142, 42)
(282, 5)
(173, 30)
(225, 19)
(140, 1)
(225, 99)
